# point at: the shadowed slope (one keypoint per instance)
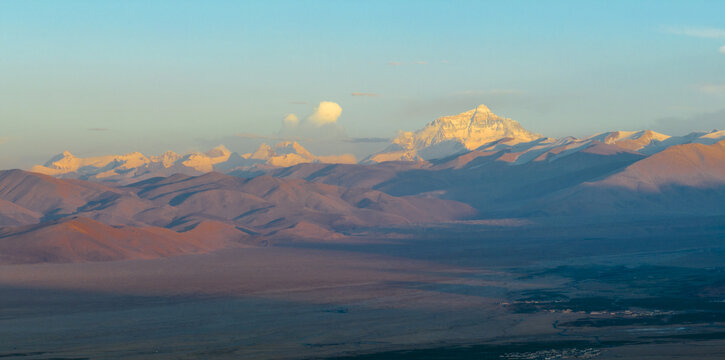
(347, 175)
(273, 203)
(12, 214)
(78, 220)
(683, 179)
(695, 165)
(494, 186)
(181, 214)
(46, 194)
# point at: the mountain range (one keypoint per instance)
(137, 166)
(471, 166)
(47, 219)
(474, 131)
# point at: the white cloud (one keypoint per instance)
(326, 113)
(290, 120)
(701, 32)
(715, 89)
(321, 124)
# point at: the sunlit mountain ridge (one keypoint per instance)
(473, 131)
(471, 166)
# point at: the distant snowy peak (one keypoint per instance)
(290, 153)
(644, 143)
(693, 164)
(135, 165)
(205, 162)
(67, 162)
(131, 165)
(264, 152)
(630, 140)
(292, 147)
(649, 142)
(482, 130)
(449, 135)
(167, 159)
(219, 152)
(714, 136)
(286, 153)
(698, 137)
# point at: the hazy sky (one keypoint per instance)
(98, 77)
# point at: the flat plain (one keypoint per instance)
(498, 290)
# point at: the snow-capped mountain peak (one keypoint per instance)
(292, 147)
(61, 160)
(66, 162)
(453, 134)
(630, 140)
(166, 159)
(263, 152)
(219, 152)
(135, 166)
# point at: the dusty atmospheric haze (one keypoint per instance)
(362, 180)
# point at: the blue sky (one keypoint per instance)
(98, 77)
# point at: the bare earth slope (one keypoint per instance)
(683, 179)
(44, 219)
(268, 203)
(82, 239)
(45, 194)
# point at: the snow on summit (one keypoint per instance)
(453, 134)
(136, 166)
(466, 136)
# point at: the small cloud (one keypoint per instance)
(722, 49)
(367, 140)
(713, 89)
(320, 124)
(291, 120)
(98, 129)
(421, 62)
(298, 102)
(701, 32)
(394, 63)
(444, 61)
(365, 94)
(326, 113)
